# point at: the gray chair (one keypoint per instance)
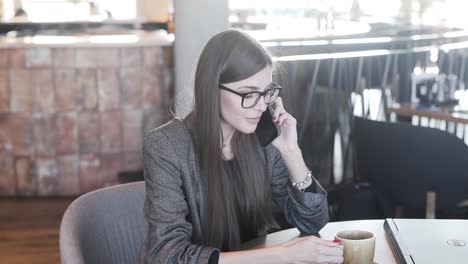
(104, 226)
(404, 163)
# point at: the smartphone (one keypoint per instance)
(267, 130)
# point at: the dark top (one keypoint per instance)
(246, 232)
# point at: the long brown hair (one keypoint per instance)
(244, 199)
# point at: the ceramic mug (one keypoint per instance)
(358, 246)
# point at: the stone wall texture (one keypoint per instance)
(71, 119)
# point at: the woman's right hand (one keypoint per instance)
(312, 249)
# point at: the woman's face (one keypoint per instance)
(233, 115)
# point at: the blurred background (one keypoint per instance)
(82, 81)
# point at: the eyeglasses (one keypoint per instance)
(251, 99)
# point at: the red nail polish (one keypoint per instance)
(274, 118)
(336, 241)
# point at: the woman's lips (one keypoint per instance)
(254, 120)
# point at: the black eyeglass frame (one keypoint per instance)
(261, 94)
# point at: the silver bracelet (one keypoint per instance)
(299, 185)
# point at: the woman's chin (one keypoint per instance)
(247, 129)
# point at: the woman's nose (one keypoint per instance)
(261, 105)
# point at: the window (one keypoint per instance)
(450, 13)
(69, 10)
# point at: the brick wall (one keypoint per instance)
(72, 118)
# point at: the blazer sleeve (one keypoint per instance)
(165, 208)
(308, 211)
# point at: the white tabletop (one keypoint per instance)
(383, 252)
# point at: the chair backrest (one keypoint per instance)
(104, 226)
(403, 162)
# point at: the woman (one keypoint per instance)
(210, 185)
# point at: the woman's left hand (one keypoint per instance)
(287, 140)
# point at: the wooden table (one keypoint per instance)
(383, 252)
(448, 114)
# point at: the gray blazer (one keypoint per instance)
(174, 204)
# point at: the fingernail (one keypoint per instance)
(336, 241)
(274, 118)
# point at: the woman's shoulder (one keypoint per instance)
(271, 151)
(174, 132)
(272, 155)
